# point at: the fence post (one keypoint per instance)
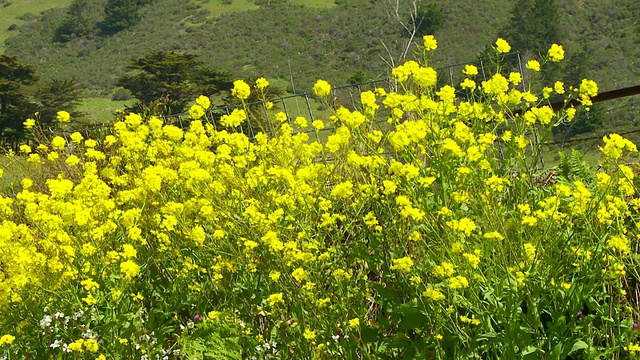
(306, 99)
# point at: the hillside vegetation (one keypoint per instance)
(285, 40)
(336, 40)
(13, 14)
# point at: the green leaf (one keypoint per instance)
(529, 350)
(369, 334)
(578, 345)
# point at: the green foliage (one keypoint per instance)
(584, 122)
(120, 15)
(211, 341)
(77, 22)
(15, 106)
(573, 167)
(121, 95)
(533, 26)
(174, 77)
(430, 19)
(58, 95)
(357, 77)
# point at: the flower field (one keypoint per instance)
(419, 229)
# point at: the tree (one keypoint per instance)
(76, 24)
(534, 25)
(357, 77)
(15, 105)
(429, 19)
(576, 68)
(176, 78)
(211, 81)
(59, 95)
(120, 15)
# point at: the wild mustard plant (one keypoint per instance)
(424, 237)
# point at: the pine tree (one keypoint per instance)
(58, 95)
(120, 15)
(534, 26)
(15, 105)
(175, 78)
(76, 24)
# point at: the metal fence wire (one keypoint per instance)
(306, 104)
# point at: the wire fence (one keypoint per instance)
(617, 115)
(308, 106)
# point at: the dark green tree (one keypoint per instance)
(357, 77)
(120, 15)
(173, 78)
(211, 81)
(15, 105)
(76, 24)
(59, 95)
(575, 68)
(534, 25)
(430, 19)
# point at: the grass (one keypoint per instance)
(217, 7)
(101, 109)
(315, 3)
(11, 14)
(14, 170)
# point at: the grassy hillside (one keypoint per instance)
(276, 40)
(319, 39)
(299, 41)
(13, 14)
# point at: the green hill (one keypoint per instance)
(13, 14)
(302, 40)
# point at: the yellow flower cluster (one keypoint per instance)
(241, 90)
(413, 204)
(614, 146)
(422, 76)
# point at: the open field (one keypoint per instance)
(101, 109)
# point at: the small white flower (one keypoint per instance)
(45, 322)
(55, 344)
(335, 337)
